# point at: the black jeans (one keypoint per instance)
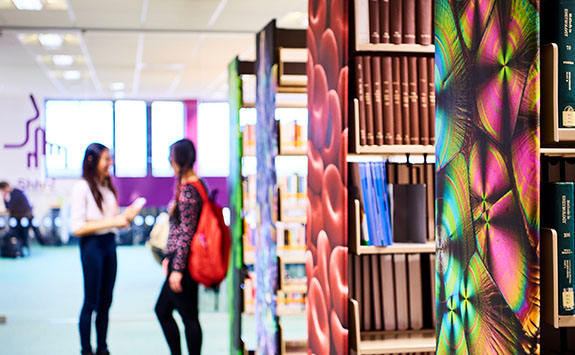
(186, 303)
(99, 265)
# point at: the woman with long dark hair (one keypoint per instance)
(180, 291)
(95, 218)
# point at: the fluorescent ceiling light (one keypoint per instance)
(72, 75)
(50, 40)
(29, 5)
(117, 86)
(62, 60)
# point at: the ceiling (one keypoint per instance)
(145, 49)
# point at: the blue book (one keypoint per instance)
(378, 181)
(372, 201)
(388, 233)
(363, 168)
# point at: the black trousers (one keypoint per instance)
(99, 265)
(186, 303)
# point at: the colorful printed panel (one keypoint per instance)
(326, 266)
(487, 166)
(266, 194)
(236, 205)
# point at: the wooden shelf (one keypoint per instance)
(294, 287)
(293, 151)
(296, 219)
(394, 48)
(558, 151)
(550, 282)
(392, 342)
(402, 149)
(396, 248)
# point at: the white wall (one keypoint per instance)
(44, 194)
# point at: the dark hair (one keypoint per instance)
(3, 185)
(183, 154)
(90, 172)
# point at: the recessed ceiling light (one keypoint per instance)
(50, 40)
(62, 60)
(117, 86)
(28, 5)
(72, 75)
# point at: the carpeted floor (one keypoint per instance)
(41, 297)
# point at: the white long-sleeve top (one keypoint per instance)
(83, 207)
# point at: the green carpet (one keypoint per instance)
(41, 297)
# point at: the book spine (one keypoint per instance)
(413, 101)
(431, 94)
(423, 97)
(557, 213)
(360, 99)
(566, 47)
(395, 26)
(396, 85)
(424, 21)
(384, 36)
(408, 14)
(373, 21)
(368, 100)
(376, 85)
(387, 87)
(405, 100)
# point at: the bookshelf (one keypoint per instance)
(334, 215)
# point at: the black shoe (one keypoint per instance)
(102, 352)
(90, 353)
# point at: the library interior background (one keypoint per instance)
(397, 176)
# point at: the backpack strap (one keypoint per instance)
(201, 189)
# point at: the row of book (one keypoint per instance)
(394, 291)
(292, 137)
(396, 202)
(401, 21)
(557, 200)
(293, 197)
(249, 140)
(557, 169)
(291, 236)
(287, 302)
(396, 96)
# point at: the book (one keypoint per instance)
(367, 290)
(384, 36)
(377, 103)
(432, 291)
(367, 194)
(568, 167)
(408, 14)
(377, 306)
(401, 298)
(360, 99)
(413, 101)
(431, 101)
(384, 218)
(373, 21)
(565, 39)
(409, 213)
(424, 21)
(387, 92)
(415, 291)
(557, 213)
(405, 100)
(369, 131)
(396, 86)
(388, 291)
(395, 18)
(551, 169)
(423, 97)
(430, 191)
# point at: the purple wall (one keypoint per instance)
(159, 191)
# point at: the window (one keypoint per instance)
(70, 127)
(131, 138)
(214, 142)
(167, 127)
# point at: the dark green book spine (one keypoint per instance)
(566, 45)
(557, 213)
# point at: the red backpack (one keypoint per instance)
(210, 249)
